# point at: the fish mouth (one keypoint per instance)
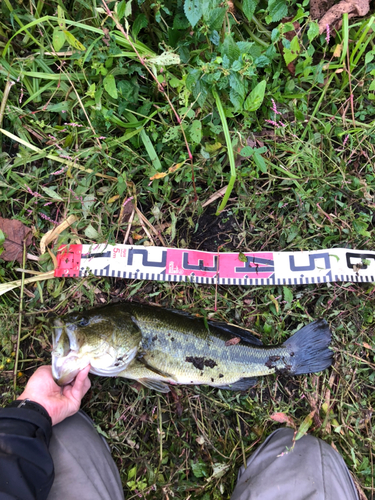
(66, 362)
(64, 371)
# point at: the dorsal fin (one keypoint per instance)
(233, 330)
(236, 331)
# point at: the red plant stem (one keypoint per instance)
(160, 88)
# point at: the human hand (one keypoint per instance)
(60, 402)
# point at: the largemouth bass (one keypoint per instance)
(159, 347)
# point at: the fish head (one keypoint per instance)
(107, 340)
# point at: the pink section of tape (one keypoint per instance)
(228, 265)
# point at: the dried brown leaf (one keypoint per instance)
(337, 51)
(158, 175)
(283, 418)
(53, 233)
(15, 233)
(233, 341)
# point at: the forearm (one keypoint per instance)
(26, 467)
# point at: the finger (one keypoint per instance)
(81, 384)
(42, 372)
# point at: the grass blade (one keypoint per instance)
(229, 149)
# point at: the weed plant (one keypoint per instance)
(166, 103)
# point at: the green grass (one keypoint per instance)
(86, 142)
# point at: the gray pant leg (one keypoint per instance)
(84, 468)
(312, 471)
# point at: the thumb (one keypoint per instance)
(80, 386)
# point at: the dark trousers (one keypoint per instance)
(85, 470)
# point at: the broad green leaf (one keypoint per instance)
(313, 31)
(305, 426)
(216, 18)
(2, 237)
(294, 45)
(128, 8)
(180, 22)
(288, 27)
(120, 9)
(237, 84)
(262, 61)
(360, 227)
(193, 11)
(199, 469)
(58, 107)
(260, 163)
(51, 193)
(165, 59)
(255, 99)
(218, 470)
(289, 56)
(196, 131)
(292, 53)
(58, 39)
(275, 35)
(249, 48)
(248, 8)
(171, 134)
(88, 202)
(110, 86)
(128, 90)
(236, 99)
(372, 86)
(196, 86)
(215, 37)
(247, 151)
(230, 49)
(200, 92)
(293, 233)
(277, 9)
(139, 23)
(91, 232)
(132, 473)
(192, 78)
(175, 82)
(288, 294)
(211, 148)
(73, 42)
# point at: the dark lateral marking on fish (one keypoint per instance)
(154, 338)
(172, 339)
(271, 360)
(221, 375)
(200, 363)
(212, 380)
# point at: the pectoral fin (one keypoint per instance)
(241, 385)
(153, 369)
(156, 385)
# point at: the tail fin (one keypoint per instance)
(310, 348)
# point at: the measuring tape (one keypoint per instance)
(195, 266)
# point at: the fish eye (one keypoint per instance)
(83, 322)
